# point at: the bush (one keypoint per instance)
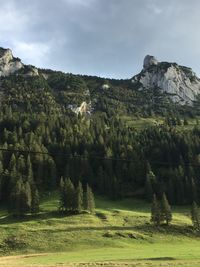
(15, 242)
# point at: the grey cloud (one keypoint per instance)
(101, 37)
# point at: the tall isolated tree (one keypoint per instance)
(35, 201)
(166, 214)
(89, 200)
(195, 216)
(155, 211)
(79, 197)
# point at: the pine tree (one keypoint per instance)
(166, 214)
(148, 188)
(26, 198)
(79, 198)
(67, 196)
(15, 197)
(195, 216)
(29, 170)
(155, 211)
(89, 200)
(20, 199)
(35, 201)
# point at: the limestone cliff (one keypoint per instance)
(180, 82)
(8, 64)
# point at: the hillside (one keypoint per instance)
(120, 137)
(123, 141)
(119, 232)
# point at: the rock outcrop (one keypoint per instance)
(180, 82)
(83, 109)
(8, 64)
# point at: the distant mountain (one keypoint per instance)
(158, 88)
(180, 82)
(134, 137)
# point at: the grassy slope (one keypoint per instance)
(120, 231)
(140, 123)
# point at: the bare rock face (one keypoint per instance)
(8, 64)
(149, 61)
(180, 82)
(83, 109)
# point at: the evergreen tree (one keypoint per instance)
(89, 200)
(35, 201)
(155, 211)
(195, 216)
(20, 199)
(166, 214)
(79, 198)
(148, 188)
(67, 198)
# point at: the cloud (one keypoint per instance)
(101, 37)
(85, 3)
(34, 53)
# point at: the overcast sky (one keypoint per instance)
(101, 37)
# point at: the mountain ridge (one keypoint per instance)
(156, 88)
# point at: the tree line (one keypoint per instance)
(25, 199)
(102, 150)
(161, 212)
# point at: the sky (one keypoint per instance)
(107, 38)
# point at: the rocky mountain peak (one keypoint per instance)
(5, 55)
(149, 61)
(181, 83)
(8, 63)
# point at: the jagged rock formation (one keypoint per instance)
(83, 109)
(31, 71)
(180, 82)
(8, 64)
(149, 61)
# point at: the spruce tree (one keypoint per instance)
(67, 196)
(89, 200)
(15, 197)
(20, 198)
(166, 214)
(155, 211)
(148, 189)
(79, 197)
(35, 201)
(195, 216)
(62, 195)
(150, 181)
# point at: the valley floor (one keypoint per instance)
(120, 234)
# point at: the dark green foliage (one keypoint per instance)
(79, 198)
(166, 214)
(150, 181)
(101, 148)
(68, 196)
(35, 201)
(161, 211)
(20, 199)
(155, 211)
(195, 216)
(89, 200)
(74, 200)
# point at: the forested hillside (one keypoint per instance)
(55, 125)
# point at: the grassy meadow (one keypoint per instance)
(119, 234)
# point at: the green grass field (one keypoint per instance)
(141, 123)
(119, 234)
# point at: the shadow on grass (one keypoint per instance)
(11, 219)
(160, 259)
(146, 228)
